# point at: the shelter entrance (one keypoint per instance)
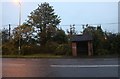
(82, 48)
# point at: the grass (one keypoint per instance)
(33, 56)
(55, 56)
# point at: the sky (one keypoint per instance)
(119, 17)
(78, 13)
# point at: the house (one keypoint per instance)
(82, 45)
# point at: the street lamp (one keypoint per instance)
(19, 13)
(19, 3)
(19, 26)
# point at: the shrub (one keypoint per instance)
(9, 49)
(30, 49)
(25, 50)
(51, 47)
(102, 52)
(63, 49)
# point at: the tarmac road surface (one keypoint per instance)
(81, 67)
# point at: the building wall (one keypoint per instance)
(90, 48)
(74, 48)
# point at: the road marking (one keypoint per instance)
(84, 66)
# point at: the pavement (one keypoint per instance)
(80, 67)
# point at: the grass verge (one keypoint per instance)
(55, 56)
(32, 56)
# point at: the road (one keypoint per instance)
(82, 67)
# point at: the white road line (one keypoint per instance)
(84, 66)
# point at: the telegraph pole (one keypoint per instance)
(9, 31)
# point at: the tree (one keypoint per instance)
(42, 19)
(113, 43)
(7, 43)
(60, 37)
(24, 33)
(98, 38)
(5, 35)
(72, 30)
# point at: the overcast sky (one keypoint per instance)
(104, 13)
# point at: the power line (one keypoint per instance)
(8, 25)
(92, 24)
(15, 25)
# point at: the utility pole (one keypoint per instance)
(9, 31)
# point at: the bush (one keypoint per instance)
(25, 50)
(51, 47)
(57, 49)
(63, 49)
(9, 49)
(30, 49)
(102, 52)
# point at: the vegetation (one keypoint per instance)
(39, 35)
(103, 43)
(33, 56)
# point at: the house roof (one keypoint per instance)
(84, 37)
